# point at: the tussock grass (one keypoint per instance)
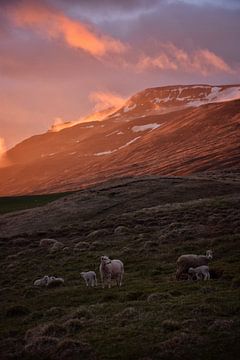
(152, 316)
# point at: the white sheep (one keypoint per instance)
(111, 269)
(184, 262)
(200, 272)
(55, 281)
(41, 282)
(89, 277)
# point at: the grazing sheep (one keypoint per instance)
(184, 262)
(200, 272)
(111, 269)
(90, 278)
(55, 281)
(41, 282)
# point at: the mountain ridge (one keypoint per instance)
(180, 142)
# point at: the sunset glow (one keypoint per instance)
(64, 61)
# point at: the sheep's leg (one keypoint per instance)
(206, 276)
(121, 278)
(198, 276)
(95, 281)
(86, 282)
(109, 281)
(102, 280)
(178, 274)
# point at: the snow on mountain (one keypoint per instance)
(171, 98)
(165, 131)
(145, 127)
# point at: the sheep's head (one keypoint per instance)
(82, 273)
(191, 270)
(45, 279)
(105, 259)
(209, 254)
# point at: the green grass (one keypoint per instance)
(16, 203)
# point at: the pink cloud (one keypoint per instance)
(55, 24)
(173, 58)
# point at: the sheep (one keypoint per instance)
(41, 282)
(90, 278)
(184, 262)
(55, 281)
(200, 271)
(111, 269)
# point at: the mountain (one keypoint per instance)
(173, 130)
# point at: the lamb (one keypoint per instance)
(41, 282)
(184, 262)
(111, 269)
(200, 271)
(90, 278)
(49, 281)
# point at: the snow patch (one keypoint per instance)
(217, 95)
(129, 143)
(108, 152)
(129, 107)
(105, 152)
(145, 127)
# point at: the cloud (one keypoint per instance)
(106, 103)
(55, 24)
(105, 100)
(171, 57)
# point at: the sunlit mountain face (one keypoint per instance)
(174, 130)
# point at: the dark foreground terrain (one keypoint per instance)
(147, 223)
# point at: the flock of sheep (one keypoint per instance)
(189, 266)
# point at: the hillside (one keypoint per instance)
(147, 222)
(186, 130)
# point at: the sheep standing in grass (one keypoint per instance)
(184, 262)
(201, 272)
(90, 278)
(111, 269)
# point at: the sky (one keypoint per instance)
(63, 59)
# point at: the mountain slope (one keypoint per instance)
(137, 142)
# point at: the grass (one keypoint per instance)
(152, 316)
(16, 203)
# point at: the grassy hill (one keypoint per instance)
(147, 223)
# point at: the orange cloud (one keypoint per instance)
(56, 24)
(105, 100)
(171, 57)
(106, 103)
